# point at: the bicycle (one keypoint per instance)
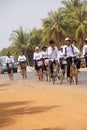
(57, 73)
(10, 67)
(40, 71)
(23, 69)
(64, 67)
(73, 73)
(46, 69)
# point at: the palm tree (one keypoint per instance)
(25, 41)
(75, 18)
(80, 20)
(52, 26)
(19, 39)
(35, 37)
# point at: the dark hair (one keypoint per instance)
(8, 54)
(51, 41)
(74, 41)
(85, 41)
(44, 46)
(22, 51)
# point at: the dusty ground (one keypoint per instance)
(39, 105)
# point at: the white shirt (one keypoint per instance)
(44, 54)
(70, 50)
(61, 55)
(21, 58)
(84, 49)
(37, 56)
(76, 51)
(9, 59)
(53, 54)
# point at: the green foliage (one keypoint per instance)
(75, 17)
(70, 20)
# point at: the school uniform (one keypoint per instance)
(69, 51)
(85, 53)
(44, 56)
(36, 58)
(61, 57)
(8, 61)
(52, 54)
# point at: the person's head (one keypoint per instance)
(52, 43)
(8, 54)
(61, 48)
(74, 42)
(85, 41)
(37, 49)
(22, 53)
(44, 48)
(68, 41)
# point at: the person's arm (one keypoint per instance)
(83, 50)
(49, 52)
(6, 60)
(57, 50)
(57, 53)
(19, 59)
(64, 50)
(58, 56)
(41, 55)
(77, 50)
(12, 60)
(25, 58)
(34, 56)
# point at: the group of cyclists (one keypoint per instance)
(22, 60)
(49, 56)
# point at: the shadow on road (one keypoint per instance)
(57, 128)
(4, 86)
(3, 89)
(10, 111)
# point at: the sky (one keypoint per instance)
(25, 13)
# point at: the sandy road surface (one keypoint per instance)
(39, 105)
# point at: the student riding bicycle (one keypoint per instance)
(85, 51)
(44, 56)
(9, 62)
(69, 51)
(22, 62)
(37, 59)
(52, 54)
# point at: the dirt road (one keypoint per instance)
(39, 105)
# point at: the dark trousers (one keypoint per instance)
(37, 68)
(51, 66)
(9, 70)
(86, 60)
(69, 63)
(62, 65)
(77, 61)
(44, 66)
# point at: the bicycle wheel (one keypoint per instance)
(76, 80)
(11, 74)
(48, 74)
(40, 74)
(53, 79)
(24, 73)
